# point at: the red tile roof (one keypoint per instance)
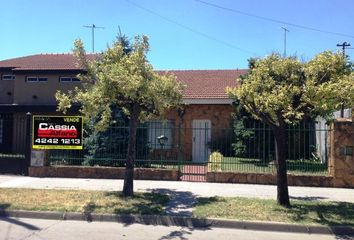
(207, 84)
(43, 62)
(200, 84)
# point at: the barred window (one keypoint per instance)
(36, 79)
(8, 77)
(159, 128)
(69, 79)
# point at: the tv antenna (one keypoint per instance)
(344, 45)
(285, 31)
(93, 27)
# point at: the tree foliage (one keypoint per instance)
(122, 76)
(284, 90)
(281, 91)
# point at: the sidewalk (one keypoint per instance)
(183, 194)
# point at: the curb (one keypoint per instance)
(182, 221)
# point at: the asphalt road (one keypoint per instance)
(35, 229)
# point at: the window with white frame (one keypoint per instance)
(36, 79)
(160, 128)
(1, 130)
(8, 77)
(69, 79)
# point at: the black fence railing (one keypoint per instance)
(253, 151)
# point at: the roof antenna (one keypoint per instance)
(93, 26)
(285, 31)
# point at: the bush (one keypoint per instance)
(215, 160)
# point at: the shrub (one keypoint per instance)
(215, 160)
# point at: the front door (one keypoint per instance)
(201, 138)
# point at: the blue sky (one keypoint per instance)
(184, 34)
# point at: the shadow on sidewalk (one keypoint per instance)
(19, 223)
(181, 202)
(4, 217)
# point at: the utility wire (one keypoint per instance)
(272, 19)
(189, 28)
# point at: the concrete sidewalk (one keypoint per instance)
(195, 189)
(183, 195)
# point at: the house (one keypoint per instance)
(28, 84)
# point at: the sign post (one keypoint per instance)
(57, 132)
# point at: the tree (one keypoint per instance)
(280, 91)
(122, 76)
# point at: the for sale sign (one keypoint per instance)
(57, 132)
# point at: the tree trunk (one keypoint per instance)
(131, 154)
(282, 180)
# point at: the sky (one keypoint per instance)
(183, 34)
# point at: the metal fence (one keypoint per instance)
(13, 130)
(202, 146)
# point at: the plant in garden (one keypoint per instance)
(280, 91)
(215, 161)
(122, 76)
(243, 134)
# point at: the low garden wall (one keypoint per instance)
(102, 172)
(258, 178)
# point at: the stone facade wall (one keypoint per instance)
(341, 163)
(102, 172)
(218, 114)
(268, 179)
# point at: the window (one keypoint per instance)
(159, 128)
(36, 79)
(1, 130)
(8, 77)
(69, 79)
(42, 79)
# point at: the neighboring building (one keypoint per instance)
(28, 84)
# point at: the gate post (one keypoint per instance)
(179, 154)
(341, 161)
(28, 151)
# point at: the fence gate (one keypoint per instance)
(13, 131)
(193, 172)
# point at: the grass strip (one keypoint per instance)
(81, 201)
(301, 212)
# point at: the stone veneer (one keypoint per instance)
(341, 166)
(269, 179)
(102, 172)
(218, 114)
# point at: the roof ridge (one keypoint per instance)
(186, 70)
(55, 54)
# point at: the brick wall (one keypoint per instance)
(218, 114)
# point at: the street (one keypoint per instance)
(33, 229)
